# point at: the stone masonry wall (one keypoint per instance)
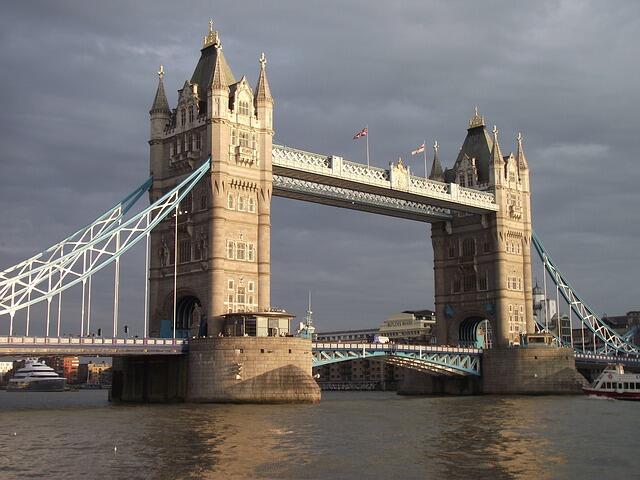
(251, 370)
(531, 370)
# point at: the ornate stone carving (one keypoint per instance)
(399, 175)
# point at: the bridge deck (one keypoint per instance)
(90, 346)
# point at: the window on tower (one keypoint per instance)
(243, 108)
(468, 247)
(183, 117)
(244, 139)
(191, 114)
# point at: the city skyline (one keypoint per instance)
(81, 84)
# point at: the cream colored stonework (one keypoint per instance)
(231, 123)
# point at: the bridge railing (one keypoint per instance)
(337, 167)
(396, 347)
(90, 341)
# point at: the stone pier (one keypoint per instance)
(534, 370)
(220, 370)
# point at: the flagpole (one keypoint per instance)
(425, 158)
(367, 137)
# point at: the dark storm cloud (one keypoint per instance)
(77, 80)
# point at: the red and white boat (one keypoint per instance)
(613, 382)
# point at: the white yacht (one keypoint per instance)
(36, 377)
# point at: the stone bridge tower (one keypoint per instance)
(223, 241)
(482, 263)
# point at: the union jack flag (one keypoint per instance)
(361, 133)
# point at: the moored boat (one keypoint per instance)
(613, 382)
(36, 377)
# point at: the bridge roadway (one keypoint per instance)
(438, 359)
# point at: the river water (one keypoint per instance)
(347, 435)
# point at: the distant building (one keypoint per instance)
(70, 369)
(345, 336)
(95, 373)
(410, 326)
(5, 368)
(354, 374)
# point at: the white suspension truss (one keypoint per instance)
(103, 223)
(43, 277)
(612, 341)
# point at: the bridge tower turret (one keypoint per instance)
(224, 224)
(160, 116)
(482, 263)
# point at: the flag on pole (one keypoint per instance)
(361, 133)
(418, 150)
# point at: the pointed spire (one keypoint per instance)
(160, 103)
(477, 120)
(436, 169)
(263, 92)
(496, 154)
(218, 77)
(520, 158)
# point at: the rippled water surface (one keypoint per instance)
(348, 435)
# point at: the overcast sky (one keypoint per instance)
(77, 80)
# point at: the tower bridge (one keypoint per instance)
(213, 171)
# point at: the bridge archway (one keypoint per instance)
(476, 331)
(188, 316)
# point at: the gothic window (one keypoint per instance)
(452, 250)
(184, 143)
(470, 282)
(244, 139)
(198, 141)
(253, 141)
(197, 251)
(243, 108)
(251, 252)
(234, 137)
(461, 182)
(191, 114)
(469, 179)
(184, 252)
(242, 203)
(240, 296)
(231, 204)
(240, 250)
(251, 205)
(231, 249)
(250, 287)
(468, 247)
(230, 284)
(483, 282)
(183, 117)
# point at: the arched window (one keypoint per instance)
(191, 114)
(183, 117)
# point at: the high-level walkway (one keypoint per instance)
(332, 180)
